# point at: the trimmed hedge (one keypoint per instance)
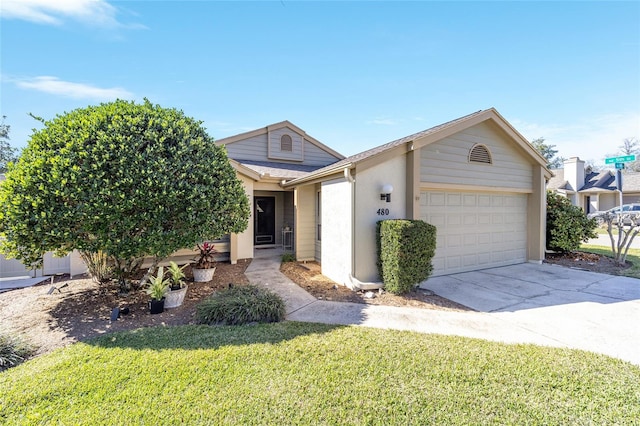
(405, 249)
(241, 304)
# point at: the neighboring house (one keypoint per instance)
(593, 190)
(475, 178)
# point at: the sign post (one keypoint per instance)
(622, 159)
(619, 162)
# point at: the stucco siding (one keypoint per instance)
(446, 161)
(244, 239)
(304, 205)
(370, 209)
(336, 230)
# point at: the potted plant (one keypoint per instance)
(177, 287)
(157, 289)
(205, 265)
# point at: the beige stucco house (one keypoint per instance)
(475, 178)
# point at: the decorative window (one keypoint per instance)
(480, 154)
(286, 143)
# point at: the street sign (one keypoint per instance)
(623, 159)
(619, 165)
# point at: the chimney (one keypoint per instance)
(574, 172)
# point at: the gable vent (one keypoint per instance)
(480, 154)
(286, 143)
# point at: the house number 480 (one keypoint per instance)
(383, 212)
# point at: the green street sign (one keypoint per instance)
(623, 159)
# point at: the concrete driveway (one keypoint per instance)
(573, 308)
(527, 303)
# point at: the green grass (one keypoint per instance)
(299, 373)
(603, 231)
(633, 257)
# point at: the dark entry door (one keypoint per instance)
(265, 220)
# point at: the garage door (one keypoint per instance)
(476, 230)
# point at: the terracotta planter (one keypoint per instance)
(174, 298)
(203, 275)
(156, 306)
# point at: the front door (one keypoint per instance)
(265, 220)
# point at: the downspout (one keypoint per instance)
(354, 283)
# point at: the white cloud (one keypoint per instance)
(96, 13)
(383, 121)
(55, 86)
(591, 139)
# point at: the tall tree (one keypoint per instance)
(7, 152)
(629, 146)
(549, 153)
(124, 179)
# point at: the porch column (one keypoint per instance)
(233, 248)
(412, 197)
(537, 218)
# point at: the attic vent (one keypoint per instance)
(480, 154)
(286, 143)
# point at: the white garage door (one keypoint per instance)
(476, 230)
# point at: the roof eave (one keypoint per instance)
(313, 177)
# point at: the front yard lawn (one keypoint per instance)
(299, 373)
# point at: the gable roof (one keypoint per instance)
(558, 182)
(417, 140)
(264, 130)
(595, 181)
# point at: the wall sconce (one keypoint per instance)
(386, 193)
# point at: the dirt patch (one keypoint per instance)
(80, 309)
(308, 276)
(587, 261)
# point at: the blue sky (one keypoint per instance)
(353, 75)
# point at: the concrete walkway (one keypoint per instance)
(12, 283)
(612, 330)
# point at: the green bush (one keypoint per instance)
(241, 305)
(405, 249)
(567, 225)
(13, 350)
(288, 257)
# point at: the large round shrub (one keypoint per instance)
(567, 225)
(124, 179)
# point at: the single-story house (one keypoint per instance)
(475, 178)
(593, 190)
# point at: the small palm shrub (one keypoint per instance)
(241, 305)
(288, 257)
(13, 350)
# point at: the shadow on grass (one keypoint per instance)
(192, 337)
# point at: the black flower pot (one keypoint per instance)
(156, 306)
